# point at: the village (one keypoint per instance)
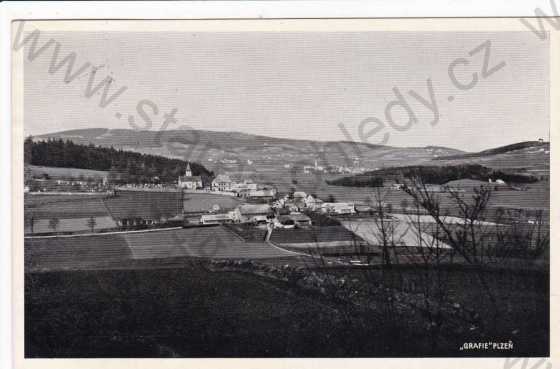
(225, 199)
(221, 201)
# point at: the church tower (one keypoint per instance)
(188, 172)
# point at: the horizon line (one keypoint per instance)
(282, 138)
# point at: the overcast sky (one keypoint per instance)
(301, 85)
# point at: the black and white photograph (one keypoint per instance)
(285, 188)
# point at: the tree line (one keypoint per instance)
(432, 175)
(361, 180)
(123, 166)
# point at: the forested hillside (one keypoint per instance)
(123, 166)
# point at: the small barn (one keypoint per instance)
(253, 213)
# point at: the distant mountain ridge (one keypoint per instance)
(244, 148)
(212, 138)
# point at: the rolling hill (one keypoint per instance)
(240, 151)
(498, 150)
(280, 161)
(528, 155)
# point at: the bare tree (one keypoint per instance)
(466, 234)
(428, 256)
(384, 229)
(478, 243)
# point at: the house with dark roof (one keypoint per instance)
(300, 220)
(263, 195)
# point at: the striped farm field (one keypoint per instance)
(122, 248)
(64, 206)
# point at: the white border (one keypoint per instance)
(6, 348)
(271, 9)
(206, 10)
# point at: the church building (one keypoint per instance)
(188, 181)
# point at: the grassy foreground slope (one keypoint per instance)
(196, 312)
(183, 313)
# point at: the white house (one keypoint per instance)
(313, 203)
(338, 208)
(217, 218)
(243, 186)
(265, 194)
(188, 181)
(300, 195)
(222, 183)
